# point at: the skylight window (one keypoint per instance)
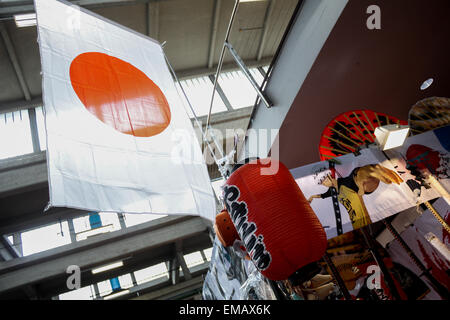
(193, 259)
(110, 218)
(15, 134)
(104, 288)
(25, 20)
(132, 219)
(208, 253)
(151, 273)
(81, 224)
(238, 88)
(85, 293)
(199, 91)
(126, 281)
(45, 238)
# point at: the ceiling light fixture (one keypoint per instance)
(25, 20)
(107, 267)
(426, 84)
(391, 136)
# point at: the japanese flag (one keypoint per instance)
(118, 138)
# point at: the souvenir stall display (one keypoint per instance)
(312, 232)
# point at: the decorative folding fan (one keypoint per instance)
(428, 114)
(350, 130)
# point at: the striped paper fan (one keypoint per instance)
(350, 130)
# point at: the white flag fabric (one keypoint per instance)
(118, 138)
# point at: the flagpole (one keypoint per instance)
(219, 66)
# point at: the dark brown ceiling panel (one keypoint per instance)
(381, 70)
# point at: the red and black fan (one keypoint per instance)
(350, 130)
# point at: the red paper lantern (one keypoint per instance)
(274, 220)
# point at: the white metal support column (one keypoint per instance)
(122, 221)
(133, 279)
(73, 236)
(203, 256)
(181, 261)
(34, 130)
(17, 243)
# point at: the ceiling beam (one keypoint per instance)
(25, 222)
(230, 66)
(98, 250)
(19, 174)
(262, 42)
(8, 247)
(9, 252)
(14, 61)
(212, 41)
(131, 264)
(20, 105)
(153, 20)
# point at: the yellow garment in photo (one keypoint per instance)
(356, 209)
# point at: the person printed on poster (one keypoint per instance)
(361, 181)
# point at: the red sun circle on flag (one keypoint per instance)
(119, 94)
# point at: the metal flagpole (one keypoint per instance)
(226, 45)
(219, 66)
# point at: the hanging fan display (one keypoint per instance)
(428, 114)
(350, 130)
